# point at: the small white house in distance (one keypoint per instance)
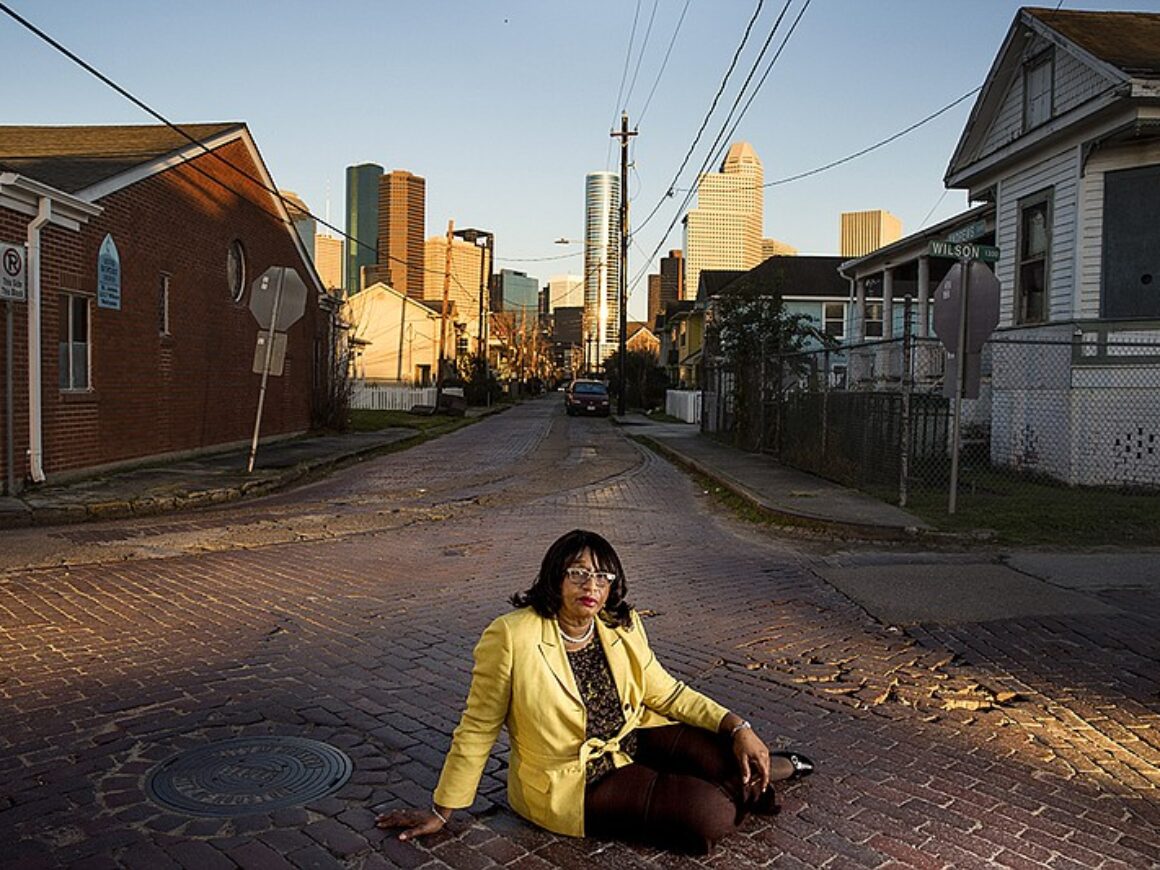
(1064, 142)
(396, 338)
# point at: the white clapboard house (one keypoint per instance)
(1061, 153)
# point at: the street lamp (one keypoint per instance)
(486, 260)
(593, 345)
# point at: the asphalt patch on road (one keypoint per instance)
(950, 594)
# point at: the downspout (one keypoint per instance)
(35, 447)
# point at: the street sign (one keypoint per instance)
(982, 313)
(109, 275)
(981, 310)
(277, 300)
(969, 233)
(963, 251)
(972, 375)
(12, 273)
(283, 282)
(277, 353)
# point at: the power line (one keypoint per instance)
(85, 65)
(664, 63)
(876, 145)
(710, 157)
(922, 223)
(188, 160)
(640, 54)
(713, 148)
(537, 259)
(709, 114)
(623, 78)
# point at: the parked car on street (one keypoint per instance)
(587, 398)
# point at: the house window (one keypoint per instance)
(1034, 247)
(236, 269)
(1037, 91)
(74, 342)
(873, 320)
(834, 319)
(163, 304)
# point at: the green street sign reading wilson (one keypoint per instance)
(964, 251)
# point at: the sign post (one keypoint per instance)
(277, 300)
(964, 329)
(960, 374)
(12, 289)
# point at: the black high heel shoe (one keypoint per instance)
(768, 802)
(802, 766)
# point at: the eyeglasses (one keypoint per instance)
(581, 576)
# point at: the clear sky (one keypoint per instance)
(505, 105)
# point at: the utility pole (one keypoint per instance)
(446, 296)
(623, 135)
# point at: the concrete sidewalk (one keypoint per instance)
(195, 482)
(972, 581)
(795, 496)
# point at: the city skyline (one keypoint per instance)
(851, 75)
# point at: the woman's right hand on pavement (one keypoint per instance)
(418, 823)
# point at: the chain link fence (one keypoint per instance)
(1058, 406)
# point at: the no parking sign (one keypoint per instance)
(12, 282)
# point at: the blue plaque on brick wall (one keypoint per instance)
(109, 275)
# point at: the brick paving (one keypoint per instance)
(361, 638)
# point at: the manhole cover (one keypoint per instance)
(248, 775)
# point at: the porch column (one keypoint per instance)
(888, 303)
(859, 310)
(923, 296)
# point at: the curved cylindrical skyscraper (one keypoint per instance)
(601, 267)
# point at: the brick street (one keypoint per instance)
(346, 612)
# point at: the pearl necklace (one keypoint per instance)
(584, 638)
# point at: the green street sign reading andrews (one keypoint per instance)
(964, 251)
(969, 233)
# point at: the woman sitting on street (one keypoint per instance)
(604, 742)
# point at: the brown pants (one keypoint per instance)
(682, 792)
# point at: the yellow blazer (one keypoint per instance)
(522, 679)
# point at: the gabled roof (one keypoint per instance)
(381, 291)
(635, 326)
(711, 281)
(792, 276)
(1118, 46)
(1129, 41)
(92, 162)
(75, 158)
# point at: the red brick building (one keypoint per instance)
(150, 353)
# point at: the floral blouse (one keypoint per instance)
(605, 718)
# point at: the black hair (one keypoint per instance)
(545, 597)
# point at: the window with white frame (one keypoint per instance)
(1034, 247)
(1038, 78)
(834, 319)
(873, 320)
(163, 304)
(74, 342)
